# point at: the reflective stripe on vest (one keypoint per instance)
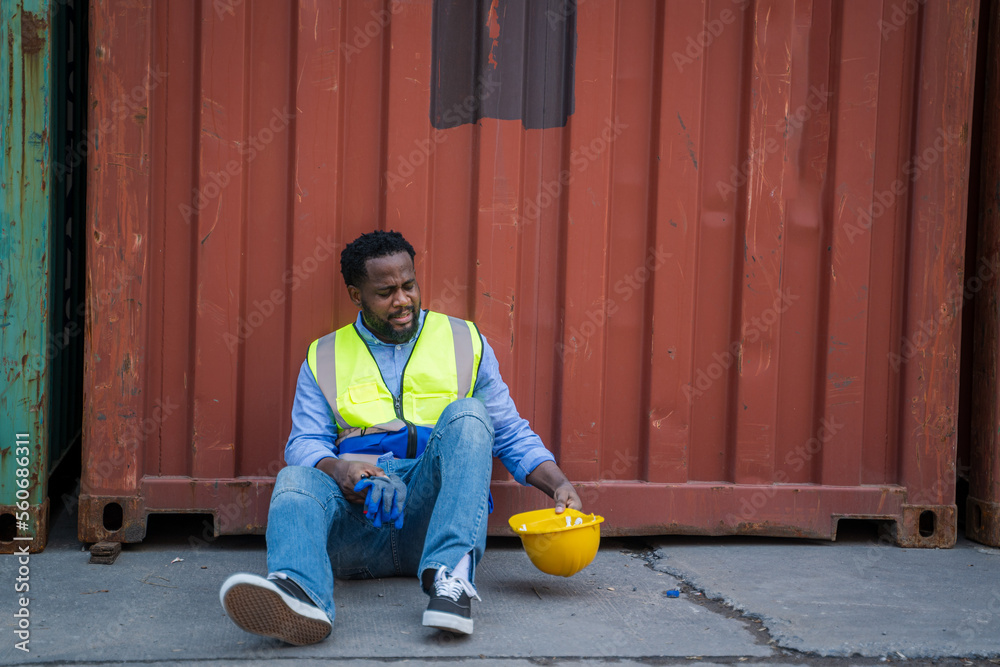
(442, 367)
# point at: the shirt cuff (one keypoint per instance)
(529, 463)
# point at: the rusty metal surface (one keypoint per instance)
(982, 520)
(724, 293)
(25, 221)
(105, 553)
(35, 537)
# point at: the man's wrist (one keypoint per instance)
(328, 464)
(547, 477)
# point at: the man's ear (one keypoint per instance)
(355, 295)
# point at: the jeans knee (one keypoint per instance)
(470, 427)
(309, 481)
(467, 408)
(296, 476)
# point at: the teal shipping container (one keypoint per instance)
(41, 316)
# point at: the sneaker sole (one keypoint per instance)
(263, 612)
(450, 622)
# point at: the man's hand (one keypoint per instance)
(347, 474)
(566, 496)
(550, 479)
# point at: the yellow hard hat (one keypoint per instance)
(559, 544)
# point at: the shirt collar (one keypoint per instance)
(369, 338)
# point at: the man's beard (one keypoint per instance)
(385, 329)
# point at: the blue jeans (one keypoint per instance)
(314, 534)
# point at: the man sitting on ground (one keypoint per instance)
(396, 420)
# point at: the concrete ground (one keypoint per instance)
(742, 601)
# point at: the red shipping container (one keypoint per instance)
(725, 291)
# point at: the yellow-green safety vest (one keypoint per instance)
(442, 367)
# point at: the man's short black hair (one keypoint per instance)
(369, 246)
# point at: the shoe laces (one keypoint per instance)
(446, 585)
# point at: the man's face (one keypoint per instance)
(390, 298)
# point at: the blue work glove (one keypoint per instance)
(385, 500)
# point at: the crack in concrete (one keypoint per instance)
(757, 626)
(753, 623)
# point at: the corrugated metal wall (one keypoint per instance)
(724, 292)
(25, 264)
(42, 284)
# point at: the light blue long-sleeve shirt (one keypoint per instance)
(314, 431)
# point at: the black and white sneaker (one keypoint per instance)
(450, 607)
(274, 607)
